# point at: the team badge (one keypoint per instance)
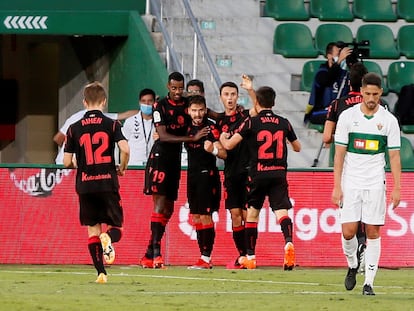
(157, 116)
(379, 126)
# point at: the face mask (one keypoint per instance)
(146, 109)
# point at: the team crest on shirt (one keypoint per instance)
(157, 116)
(379, 126)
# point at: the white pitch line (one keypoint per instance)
(122, 274)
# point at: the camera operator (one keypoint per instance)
(330, 83)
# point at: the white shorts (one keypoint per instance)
(368, 206)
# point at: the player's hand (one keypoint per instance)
(201, 133)
(155, 135)
(345, 52)
(395, 197)
(224, 136)
(246, 83)
(120, 171)
(208, 146)
(337, 197)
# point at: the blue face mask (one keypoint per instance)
(146, 109)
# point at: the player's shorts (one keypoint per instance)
(275, 188)
(204, 192)
(162, 174)
(101, 208)
(368, 206)
(235, 191)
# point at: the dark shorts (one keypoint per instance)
(101, 208)
(162, 174)
(204, 192)
(235, 191)
(275, 188)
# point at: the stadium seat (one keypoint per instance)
(400, 73)
(374, 11)
(309, 70)
(374, 67)
(292, 10)
(406, 154)
(326, 33)
(318, 127)
(382, 42)
(405, 10)
(338, 11)
(294, 40)
(405, 38)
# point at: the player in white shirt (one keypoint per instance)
(139, 129)
(364, 133)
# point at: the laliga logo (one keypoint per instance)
(40, 184)
(185, 226)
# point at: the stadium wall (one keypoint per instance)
(39, 223)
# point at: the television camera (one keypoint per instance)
(360, 50)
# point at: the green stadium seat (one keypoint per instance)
(382, 42)
(408, 129)
(309, 70)
(338, 10)
(292, 10)
(374, 11)
(400, 73)
(405, 10)
(326, 33)
(374, 67)
(294, 40)
(406, 154)
(318, 127)
(405, 43)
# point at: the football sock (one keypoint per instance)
(361, 236)
(251, 237)
(199, 232)
(208, 235)
(286, 226)
(115, 234)
(239, 238)
(372, 256)
(158, 223)
(350, 251)
(96, 252)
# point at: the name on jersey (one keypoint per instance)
(270, 120)
(366, 144)
(95, 120)
(353, 100)
(86, 177)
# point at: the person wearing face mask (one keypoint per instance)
(330, 83)
(138, 129)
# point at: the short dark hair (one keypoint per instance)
(356, 73)
(196, 82)
(266, 96)
(176, 76)
(196, 99)
(146, 92)
(229, 84)
(371, 78)
(329, 47)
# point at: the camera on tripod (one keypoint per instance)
(360, 50)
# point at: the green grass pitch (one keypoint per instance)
(130, 288)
